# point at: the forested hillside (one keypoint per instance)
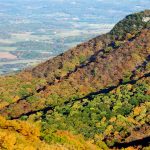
(94, 96)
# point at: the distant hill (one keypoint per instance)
(132, 24)
(94, 96)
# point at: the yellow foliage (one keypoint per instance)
(7, 140)
(137, 111)
(3, 104)
(129, 86)
(131, 148)
(16, 98)
(113, 119)
(23, 127)
(76, 141)
(108, 130)
(131, 120)
(20, 135)
(103, 119)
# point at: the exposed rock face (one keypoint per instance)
(146, 19)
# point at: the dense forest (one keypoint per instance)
(94, 96)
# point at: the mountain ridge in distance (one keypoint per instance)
(98, 89)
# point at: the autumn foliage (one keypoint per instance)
(94, 96)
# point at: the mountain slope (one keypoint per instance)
(26, 83)
(99, 74)
(99, 89)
